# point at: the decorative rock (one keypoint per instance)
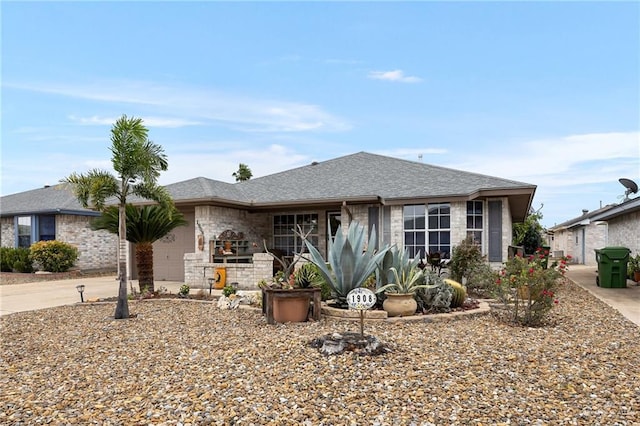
(333, 344)
(231, 302)
(189, 362)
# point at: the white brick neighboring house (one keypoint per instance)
(411, 204)
(50, 213)
(609, 226)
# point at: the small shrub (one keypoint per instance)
(15, 260)
(435, 299)
(184, 290)
(54, 256)
(481, 280)
(527, 288)
(228, 290)
(465, 257)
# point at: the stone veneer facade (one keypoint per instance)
(625, 231)
(256, 227)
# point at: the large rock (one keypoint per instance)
(337, 343)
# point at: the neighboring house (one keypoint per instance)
(622, 224)
(53, 213)
(421, 207)
(612, 225)
(578, 237)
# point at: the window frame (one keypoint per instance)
(284, 233)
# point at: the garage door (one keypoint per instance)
(168, 252)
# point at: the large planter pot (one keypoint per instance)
(291, 309)
(399, 305)
(290, 305)
(636, 276)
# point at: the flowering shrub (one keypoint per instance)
(528, 285)
(54, 256)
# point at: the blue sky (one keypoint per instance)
(546, 93)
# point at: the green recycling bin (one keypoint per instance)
(612, 267)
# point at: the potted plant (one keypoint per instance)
(287, 299)
(399, 294)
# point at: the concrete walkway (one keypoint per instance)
(625, 300)
(47, 294)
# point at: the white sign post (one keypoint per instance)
(361, 299)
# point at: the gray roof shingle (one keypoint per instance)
(360, 176)
(364, 175)
(53, 199)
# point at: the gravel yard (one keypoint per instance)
(186, 362)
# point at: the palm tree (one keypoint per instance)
(243, 173)
(138, 163)
(145, 225)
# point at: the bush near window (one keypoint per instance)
(54, 256)
(528, 288)
(15, 260)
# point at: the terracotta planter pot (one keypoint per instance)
(291, 309)
(399, 305)
(636, 276)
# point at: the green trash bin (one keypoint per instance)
(612, 267)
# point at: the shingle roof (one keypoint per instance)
(54, 199)
(583, 219)
(364, 175)
(360, 177)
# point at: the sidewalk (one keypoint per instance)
(625, 300)
(47, 294)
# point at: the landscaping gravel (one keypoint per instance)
(188, 363)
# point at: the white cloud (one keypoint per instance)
(198, 106)
(220, 165)
(560, 161)
(395, 75)
(148, 121)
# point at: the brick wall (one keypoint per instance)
(624, 231)
(97, 249)
(8, 232)
(246, 275)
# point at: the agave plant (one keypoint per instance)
(350, 261)
(395, 258)
(307, 276)
(405, 281)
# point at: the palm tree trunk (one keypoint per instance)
(144, 261)
(122, 307)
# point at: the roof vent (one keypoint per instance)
(314, 163)
(585, 211)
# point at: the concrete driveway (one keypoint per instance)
(625, 300)
(47, 294)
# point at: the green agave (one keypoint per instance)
(405, 281)
(350, 261)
